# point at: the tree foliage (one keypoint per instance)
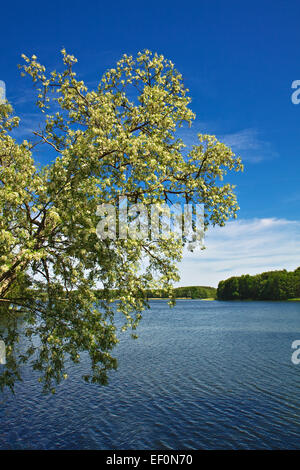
(271, 285)
(188, 292)
(119, 140)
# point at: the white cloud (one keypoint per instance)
(249, 145)
(29, 122)
(243, 247)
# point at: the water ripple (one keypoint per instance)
(204, 375)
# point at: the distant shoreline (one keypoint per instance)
(178, 298)
(222, 300)
(281, 285)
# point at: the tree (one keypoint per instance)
(271, 285)
(119, 140)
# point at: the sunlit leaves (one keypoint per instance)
(119, 140)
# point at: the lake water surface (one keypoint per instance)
(203, 375)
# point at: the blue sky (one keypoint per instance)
(238, 59)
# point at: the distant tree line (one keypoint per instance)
(271, 285)
(190, 292)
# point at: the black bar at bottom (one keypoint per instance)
(141, 459)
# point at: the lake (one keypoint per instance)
(203, 375)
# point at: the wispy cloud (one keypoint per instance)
(23, 96)
(241, 247)
(294, 197)
(250, 145)
(29, 122)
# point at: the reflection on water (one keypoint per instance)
(203, 375)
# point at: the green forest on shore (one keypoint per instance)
(189, 292)
(271, 285)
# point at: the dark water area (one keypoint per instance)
(203, 375)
